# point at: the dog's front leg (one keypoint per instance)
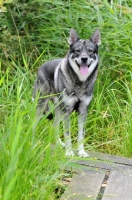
(81, 121)
(67, 135)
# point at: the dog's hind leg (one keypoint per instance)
(41, 90)
(56, 125)
(40, 109)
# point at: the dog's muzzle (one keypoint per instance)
(85, 63)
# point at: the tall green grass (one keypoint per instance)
(31, 166)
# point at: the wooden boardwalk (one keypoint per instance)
(102, 177)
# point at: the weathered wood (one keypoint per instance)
(105, 161)
(84, 186)
(103, 164)
(112, 180)
(119, 186)
(112, 158)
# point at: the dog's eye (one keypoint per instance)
(90, 51)
(77, 50)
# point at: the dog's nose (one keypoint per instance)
(84, 59)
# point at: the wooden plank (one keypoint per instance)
(103, 164)
(119, 186)
(112, 158)
(84, 186)
(92, 183)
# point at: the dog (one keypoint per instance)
(69, 83)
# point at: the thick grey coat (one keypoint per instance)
(69, 82)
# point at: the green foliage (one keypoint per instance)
(32, 32)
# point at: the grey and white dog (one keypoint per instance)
(69, 82)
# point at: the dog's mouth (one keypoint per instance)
(84, 68)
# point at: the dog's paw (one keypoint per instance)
(69, 153)
(83, 154)
(60, 143)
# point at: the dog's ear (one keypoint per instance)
(96, 37)
(73, 36)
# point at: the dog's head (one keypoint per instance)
(83, 52)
